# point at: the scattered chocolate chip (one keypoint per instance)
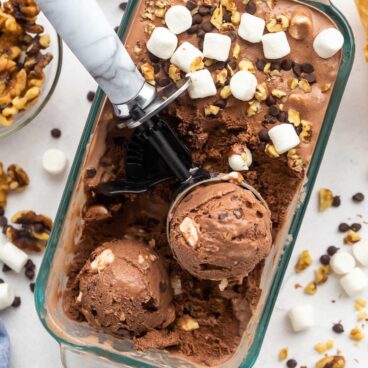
(91, 173)
(238, 213)
(163, 82)
(220, 103)
(338, 328)
(55, 133)
(282, 117)
(153, 58)
(286, 64)
(156, 68)
(260, 64)
(30, 274)
(297, 69)
(222, 216)
(298, 129)
(91, 96)
(251, 7)
(190, 5)
(263, 135)
(1, 281)
(275, 65)
(201, 33)
(6, 268)
(307, 68)
(193, 29)
(207, 26)
(358, 197)
(116, 29)
(197, 19)
(29, 265)
(331, 250)
(343, 227)
(123, 6)
(3, 221)
(269, 119)
(310, 78)
(270, 100)
(325, 259)
(17, 301)
(233, 64)
(291, 363)
(274, 110)
(2, 211)
(204, 10)
(336, 202)
(227, 17)
(355, 226)
(32, 286)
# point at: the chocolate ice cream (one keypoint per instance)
(124, 286)
(220, 231)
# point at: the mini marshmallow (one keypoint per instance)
(301, 317)
(7, 296)
(54, 161)
(328, 42)
(216, 46)
(283, 137)
(202, 84)
(162, 43)
(241, 162)
(251, 28)
(275, 45)
(342, 263)
(243, 85)
(360, 251)
(178, 19)
(13, 257)
(354, 282)
(184, 56)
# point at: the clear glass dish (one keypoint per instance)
(52, 73)
(82, 345)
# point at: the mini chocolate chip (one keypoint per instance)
(282, 117)
(251, 7)
(2, 211)
(355, 226)
(275, 65)
(29, 265)
(338, 328)
(193, 29)
(6, 268)
(30, 274)
(260, 64)
(222, 216)
(343, 227)
(3, 221)
(298, 129)
(201, 33)
(116, 29)
(156, 68)
(197, 19)
(325, 259)
(291, 363)
(94, 311)
(358, 197)
(204, 10)
(163, 82)
(123, 6)
(190, 5)
(270, 100)
(274, 110)
(331, 250)
(55, 133)
(233, 64)
(1, 281)
(310, 78)
(17, 301)
(336, 202)
(269, 119)
(263, 135)
(91, 96)
(207, 26)
(163, 286)
(220, 103)
(32, 286)
(286, 64)
(153, 58)
(91, 172)
(297, 69)
(238, 213)
(307, 68)
(227, 17)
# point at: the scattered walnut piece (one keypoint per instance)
(362, 316)
(261, 92)
(235, 18)
(295, 161)
(283, 354)
(322, 347)
(294, 117)
(270, 151)
(221, 77)
(236, 51)
(197, 64)
(278, 93)
(247, 65)
(148, 73)
(278, 24)
(293, 83)
(254, 107)
(335, 361)
(217, 17)
(321, 274)
(360, 304)
(306, 133)
(211, 110)
(325, 199)
(326, 87)
(17, 178)
(352, 237)
(174, 73)
(225, 92)
(304, 261)
(311, 288)
(229, 5)
(305, 86)
(187, 323)
(356, 334)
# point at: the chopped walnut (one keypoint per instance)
(174, 73)
(261, 92)
(4, 187)
(270, 151)
(148, 73)
(360, 304)
(334, 361)
(295, 161)
(247, 65)
(311, 288)
(229, 5)
(211, 110)
(306, 133)
(305, 86)
(293, 83)
(278, 24)
(254, 107)
(356, 334)
(225, 92)
(235, 18)
(322, 347)
(325, 199)
(304, 261)
(278, 93)
(197, 64)
(321, 274)
(187, 323)
(326, 87)
(221, 77)
(236, 51)
(17, 178)
(283, 354)
(294, 117)
(352, 237)
(217, 17)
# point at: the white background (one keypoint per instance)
(344, 170)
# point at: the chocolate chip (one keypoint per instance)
(163, 286)
(150, 305)
(325, 259)
(32, 286)
(204, 10)
(17, 301)
(297, 69)
(1, 281)
(116, 29)
(207, 26)
(270, 100)
(94, 311)
(123, 6)
(310, 78)
(338, 328)
(307, 68)
(218, 65)
(190, 5)
(286, 64)
(193, 29)
(274, 110)
(156, 68)
(3, 221)
(6, 268)
(201, 33)
(163, 82)
(233, 64)
(29, 265)
(282, 116)
(355, 226)
(153, 58)
(91, 96)
(197, 19)
(91, 172)
(238, 213)
(2, 211)
(220, 103)
(30, 274)
(263, 135)
(275, 65)
(291, 363)
(227, 17)
(358, 197)
(336, 202)
(260, 64)
(251, 7)
(222, 216)
(269, 119)
(343, 227)
(55, 133)
(298, 129)
(331, 250)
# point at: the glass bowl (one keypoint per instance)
(52, 72)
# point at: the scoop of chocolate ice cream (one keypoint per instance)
(124, 286)
(220, 231)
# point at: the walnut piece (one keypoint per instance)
(148, 73)
(270, 151)
(304, 261)
(322, 347)
(311, 288)
(356, 334)
(325, 199)
(174, 73)
(225, 92)
(217, 17)
(306, 133)
(283, 354)
(4, 187)
(334, 361)
(17, 178)
(187, 323)
(211, 110)
(294, 117)
(278, 24)
(352, 237)
(321, 274)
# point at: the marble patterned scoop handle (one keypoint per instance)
(84, 28)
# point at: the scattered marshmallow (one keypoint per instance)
(184, 56)
(275, 45)
(216, 46)
(354, 282)
(360, 251)
(243, 85)
(7, 296)
(178, 19)
(202, 84)
(54, 161)
(284, 137)
(328, 42)
(251, 28)
(241, 162)
(342, 263)
(13, 257)
(162, 43)
(302, 317)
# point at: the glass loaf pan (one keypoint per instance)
(82, 345)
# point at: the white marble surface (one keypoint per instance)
(344, 170)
